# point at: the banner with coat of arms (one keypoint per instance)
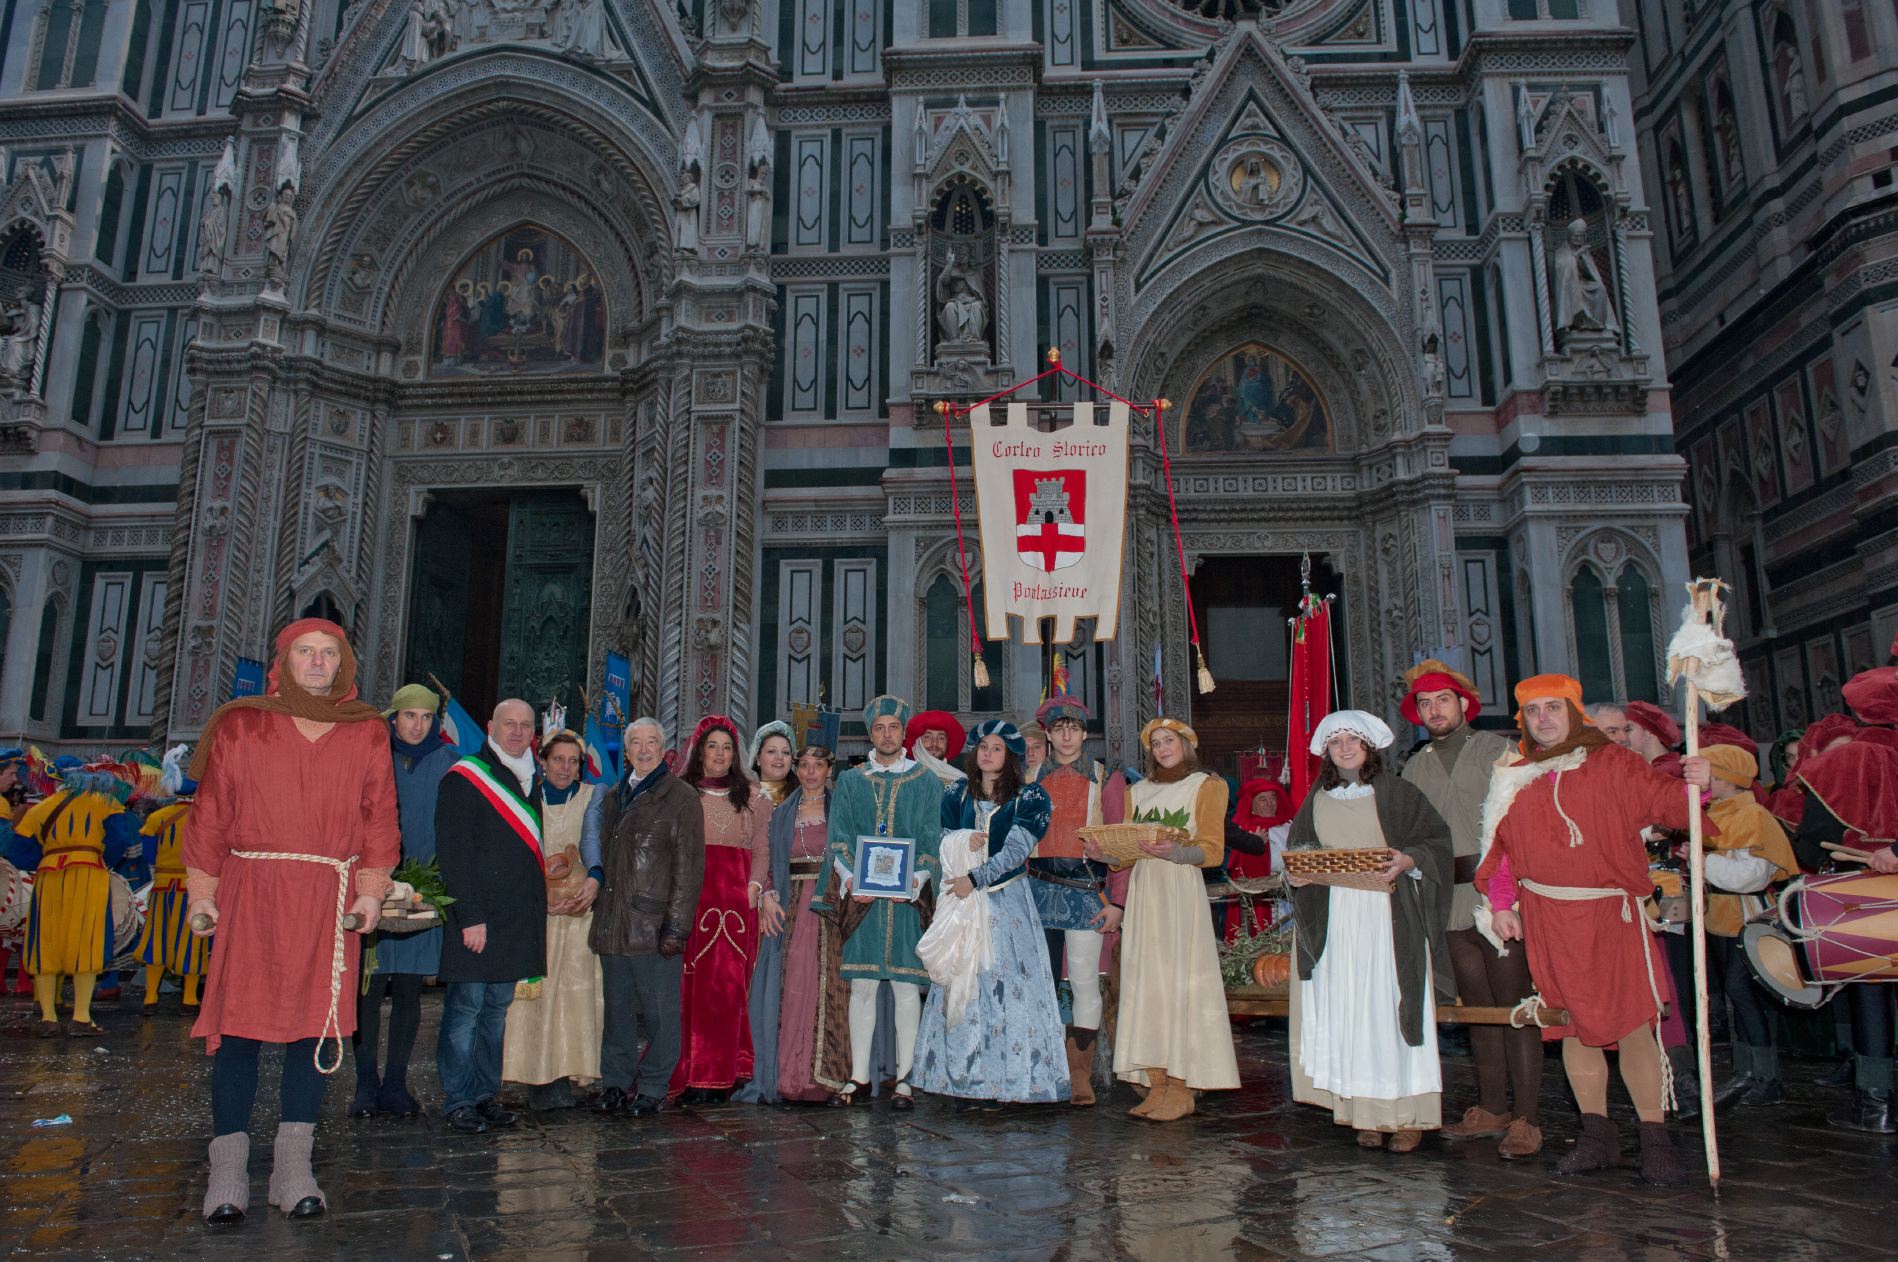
(1053, 512)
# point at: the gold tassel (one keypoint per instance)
(1204, 676)
(981, 675)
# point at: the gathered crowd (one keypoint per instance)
(992, 917)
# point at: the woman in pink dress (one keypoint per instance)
(716, 1052)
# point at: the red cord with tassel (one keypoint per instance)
(1203, 676)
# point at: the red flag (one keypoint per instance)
(1311, 692)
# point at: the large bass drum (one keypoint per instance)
(16, 897)
(1828, 931)
(128, 921)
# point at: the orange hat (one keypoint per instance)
(1539, 687)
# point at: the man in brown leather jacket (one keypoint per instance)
(653, 853)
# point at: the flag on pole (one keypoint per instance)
(600, 766)
(459, 728)
(1157, 657)
(1311, 691)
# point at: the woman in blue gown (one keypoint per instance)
(1007, 1046)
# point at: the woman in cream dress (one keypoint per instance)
(1174, 1035)
(553, 1039)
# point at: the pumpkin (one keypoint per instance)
(1272, 970)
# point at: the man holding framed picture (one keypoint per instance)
(885, 823)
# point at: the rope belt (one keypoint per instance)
(332, 1026)
(1589, 893)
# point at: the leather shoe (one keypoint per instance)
(225, 1216)
(466, 1120)
(855, 1092)
(1764, 1092)
(1479, 1123)
(900, 1103)
(611, 1100)
(308, 1207)
(494, 1115)
(1732, 1089)
(644, 1106)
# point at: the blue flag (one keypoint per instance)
(459, 728)
(600, 766)
(248, 681)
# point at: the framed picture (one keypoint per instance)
(884, 865)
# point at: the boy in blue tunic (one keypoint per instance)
(890, 795)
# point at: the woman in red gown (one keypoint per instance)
(716, 1050)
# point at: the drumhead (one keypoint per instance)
(1775, 961)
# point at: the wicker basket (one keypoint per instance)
(1121, 842)
(1347, 869)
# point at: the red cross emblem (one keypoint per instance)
(1050, 517)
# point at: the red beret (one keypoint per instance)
(1437, 680)
(1656, 720)
(1823, 732)
(1726, 734)
(939, 721)
(1873, 695)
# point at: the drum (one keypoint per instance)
(128, 920)
(1829, 930)
(16, 896)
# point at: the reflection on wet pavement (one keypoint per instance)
(1252, 1176)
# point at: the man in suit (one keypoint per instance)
(487, 838)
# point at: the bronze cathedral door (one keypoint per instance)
(500, 602)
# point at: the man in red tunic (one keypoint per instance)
(1562, 831)
(295, 825)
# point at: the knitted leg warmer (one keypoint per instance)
(291, 1179)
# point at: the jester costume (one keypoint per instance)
(168, 945)
(74, 837)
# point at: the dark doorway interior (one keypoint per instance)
(499, 602)
(1242, 604)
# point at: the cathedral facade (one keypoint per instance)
(1769, 128)
(512, 333)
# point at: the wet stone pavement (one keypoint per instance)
(1251, 1177)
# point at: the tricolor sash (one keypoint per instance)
(507, 802)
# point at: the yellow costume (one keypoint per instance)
(168, 945)
(69, 931)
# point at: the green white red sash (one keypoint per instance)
(506, 801)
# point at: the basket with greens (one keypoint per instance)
(1120, 843)
(416, 900)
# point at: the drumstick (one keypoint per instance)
(1847, 853)
(202, 922)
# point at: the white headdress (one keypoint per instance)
(1365, 726)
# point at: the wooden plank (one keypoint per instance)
(1255, 1001)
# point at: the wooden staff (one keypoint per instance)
(1706, 596)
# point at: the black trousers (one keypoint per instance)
(405, 1020)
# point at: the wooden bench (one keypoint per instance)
(1256, 1001)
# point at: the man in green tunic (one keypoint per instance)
(890, 795)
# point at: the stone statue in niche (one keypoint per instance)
(1583, 303)
(962, 316)
(19, 335)
(213, 224)
(280, 226)
(426, 37)
(579, 29)
(686, 201)
(757, 187)
(1432, 369)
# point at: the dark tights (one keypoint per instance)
(1504, 1056)
(234, 1083)
(405, 1018)
(1752, 1023)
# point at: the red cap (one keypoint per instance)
(1438, 681)
(1873, 695)
(1726, 734)
(1656, 720)
(936, 721)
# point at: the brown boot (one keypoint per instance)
(1156, 1091)
(1660, 1164)
(1081, 1067)
(1478, 1123)
(1176, 1102)
(1599, 1148)
(1523, 1140)
(1406, 1140)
